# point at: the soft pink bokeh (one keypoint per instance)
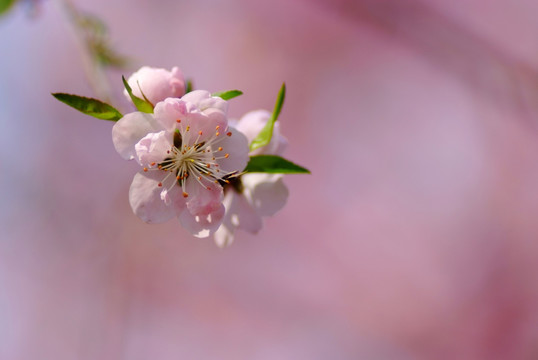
(415, 237)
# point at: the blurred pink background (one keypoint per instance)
(415, 237)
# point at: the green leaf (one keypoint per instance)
(188, 87)
(227, 95)
(89, 106)
(273, 164)
(141, 104)
(264, 137)
(5, 5)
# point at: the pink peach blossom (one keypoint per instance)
(252, 196)
(185, 148)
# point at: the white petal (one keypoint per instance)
(145, 198)
(266, 192)
(129, 130)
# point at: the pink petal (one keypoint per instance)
(252, 123)
(170, 110)
(156, 84)
(145, 198)
(203, 101)
(266, 192)
(202, 199)
(249, 220)
(202, 225)
(154, 147)
(239, 213)
(129, 130)
(236, 146)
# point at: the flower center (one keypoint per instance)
(191, 158)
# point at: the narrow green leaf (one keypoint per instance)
(5, 5)
(227, 95)
(89, 106)
(264, 137)
(273, 164)
(141, 104)
(189, 86)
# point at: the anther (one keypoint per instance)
(208, 165)
(178, 121)
(152, 164)
(226, 156)
(220, 148)
(160, 184)
(218, 127)
(200, 132)
(217, 133)
(146, 169)
(188, 128)
(185, 194)
(229, 133)
(199, 178)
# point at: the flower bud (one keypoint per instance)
(156, 84)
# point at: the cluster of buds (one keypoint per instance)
(214, 174)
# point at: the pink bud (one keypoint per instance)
(157, 84)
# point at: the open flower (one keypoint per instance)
(250, 197)
(156, 84)
(185, 148)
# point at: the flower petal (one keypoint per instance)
(168, 111)
(202, 226)
(154, 147)
(145, 198)
(252, 123)
(236, 146)
(246, 216)
(129, 130)
(156, 84)
(202, 199)
(224, 236)
(203, 100)
(266, 192)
